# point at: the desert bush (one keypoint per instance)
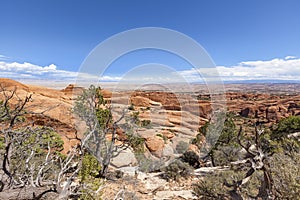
(280, 132)
(224, 155)
(212, 186)
(211, 130)
(135, 117)
(30, 149)
(191, 158)
(269, 169)
(181, 147)
(176, 170)
(30, 155)
(131, 107)
(225, 149)
(148, 165)
(163, 137)
(90, 167)
(88, 178)
(285, 126)
(135, 141)
(286, 175)
(146, 123)
(277, 140)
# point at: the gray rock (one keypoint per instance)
(168, 151)
(124, 159)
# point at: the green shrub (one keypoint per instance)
(191, 158)
(176, 170)
(2, 143)
(212, 186)
(148, 165)
(286, 175)
(181, 147)
(90, 167)
(286, 126)
(279, 135)
(135, 141)
(225, 148)
(104, 117)
(223, 155)
(163, 137)
(145, 123)
(131, 107)
(88, 178)
(135, 117)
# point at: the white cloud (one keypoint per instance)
(110, 78)
(27, 70)
(20, 69)
(275, 69)
(289, 57)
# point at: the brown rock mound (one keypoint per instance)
(11, 84)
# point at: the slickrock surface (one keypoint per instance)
(173, 116)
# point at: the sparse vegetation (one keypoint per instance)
(253, 162)
(226, 148)
(263, 172)
(92, 109)
(131, 107)
(176, 170)
(286, 175)
(88, 177)
(182, 147)
(135, 141)
(191, 158)
(148, 165)
(146, 123)
(135, 117)
(163, 137)
(30, 155)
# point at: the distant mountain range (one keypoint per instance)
(260, 81)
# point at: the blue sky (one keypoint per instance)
(246, 39)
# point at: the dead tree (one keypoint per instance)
(258, 160)
(29, 162)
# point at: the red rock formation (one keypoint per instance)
(176, 112)
(155, 145)
(72, 89)
(140, 101)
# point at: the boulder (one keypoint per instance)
(168, 151)
(155, 145)
(125, 158)
(167, 134)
